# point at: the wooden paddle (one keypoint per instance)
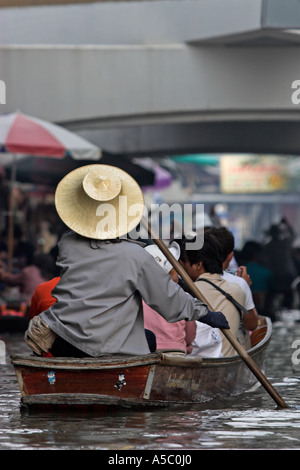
(227, 333)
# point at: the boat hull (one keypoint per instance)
(158, 379)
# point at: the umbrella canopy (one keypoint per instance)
(199, 159)
(36, 142)
(42, 171)
(23, 135)
(162, 178)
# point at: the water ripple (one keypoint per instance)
(246, 422)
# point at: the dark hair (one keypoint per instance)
(251, 251)
(225, 239)
(46, 265)
(210, 254)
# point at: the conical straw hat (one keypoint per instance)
(99, 201)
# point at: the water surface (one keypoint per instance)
(250, 421)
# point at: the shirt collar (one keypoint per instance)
(212, 277)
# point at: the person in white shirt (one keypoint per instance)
(204, 266)
(242, 278)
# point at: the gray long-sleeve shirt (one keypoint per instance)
(99, 297)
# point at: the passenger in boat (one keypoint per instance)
(277, 256)
(38, 268)
(264, 287)
(177, 336)
(242, 278)
(105, 275)
(205, 265)
(42, 297)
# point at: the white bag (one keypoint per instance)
(208, 341)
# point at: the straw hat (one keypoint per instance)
(99, 201)
(160, 258)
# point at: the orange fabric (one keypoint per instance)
(47, 354)
(42, 298)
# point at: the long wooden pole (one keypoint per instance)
(227, 333)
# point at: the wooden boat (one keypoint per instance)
(158, 379)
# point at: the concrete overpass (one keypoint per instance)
(158, 77)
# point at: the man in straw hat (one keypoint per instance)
(105, 275)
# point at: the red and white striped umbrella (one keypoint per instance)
(24, 135)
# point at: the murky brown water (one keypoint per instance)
(250, 421)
